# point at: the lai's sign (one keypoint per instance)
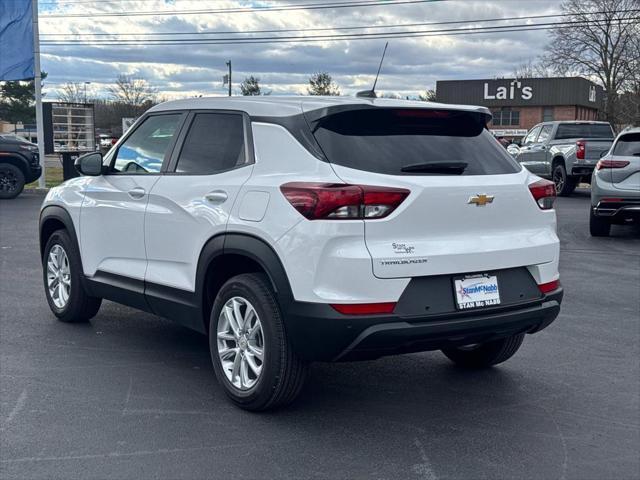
(515, 88)
(515, 92)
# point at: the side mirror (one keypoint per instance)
(89, 164)
(513, 149)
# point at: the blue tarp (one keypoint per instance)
(16, 40)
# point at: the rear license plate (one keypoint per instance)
(476, 291)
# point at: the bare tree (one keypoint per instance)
(533, 69)
(601, 47)
(134, 92)
(72, 92)
(321, 83)
(251, 86)
(427, 96)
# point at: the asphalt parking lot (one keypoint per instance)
(133, 396)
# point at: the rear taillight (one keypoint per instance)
(364, 308)
(549, 287)
(580, 150)
(544, 193)
(330, 201)
(611, 164)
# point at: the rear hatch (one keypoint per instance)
(469, 210)
(627, 153)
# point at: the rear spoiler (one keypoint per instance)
(480, 116)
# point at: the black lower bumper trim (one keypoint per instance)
(319, 333)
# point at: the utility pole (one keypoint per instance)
(229, 65)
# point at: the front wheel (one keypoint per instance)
(483, 355)
(61, 270)
(252, 357)
(11, 181)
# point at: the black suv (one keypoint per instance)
(19, 164)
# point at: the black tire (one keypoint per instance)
(283, 373)
(598, 226)
(79, 307)
(565, 185)
(485, 354)
(11, 181)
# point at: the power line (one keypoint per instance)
(325, 38)
(288, 30)
(268, 8)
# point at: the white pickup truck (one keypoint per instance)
(565, 151)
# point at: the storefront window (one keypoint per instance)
(506, 117)
(547, 114)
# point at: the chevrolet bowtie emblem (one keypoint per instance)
(481, 200)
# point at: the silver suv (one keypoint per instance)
(615, 187)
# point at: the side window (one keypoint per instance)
(531, 137)
(545, 133)
(144, 150)
(214, 143)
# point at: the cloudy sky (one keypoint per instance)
(411, 66)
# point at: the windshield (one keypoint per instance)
(584, 130)
(628, 145)
(413, 142)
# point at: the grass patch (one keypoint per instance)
(53, 177)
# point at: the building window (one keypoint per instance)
(505, 117)
(547, 114)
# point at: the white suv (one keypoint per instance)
(309, 229)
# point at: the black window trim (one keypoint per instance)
(180, 138)
(113, 154)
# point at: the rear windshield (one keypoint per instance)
(583, 130)
(628, 145)
(399, 141)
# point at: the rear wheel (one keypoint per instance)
(565, 185)
(63, 288)
(11, 181)
(483, 355)
(252, 357)
(598, 226)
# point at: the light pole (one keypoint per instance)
(85, 91)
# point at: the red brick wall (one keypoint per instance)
(530, 116)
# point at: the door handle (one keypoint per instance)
(216, 197)
(137, 192)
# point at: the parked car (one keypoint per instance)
(106, 141)
(302, 229)
(565, 151)
(615, 187)
(19, 165)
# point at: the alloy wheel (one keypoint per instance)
(58, 276)
(240, 343)
(8, 180)
(558, 179)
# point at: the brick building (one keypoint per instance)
(519, 104)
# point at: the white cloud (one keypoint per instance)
(412, 64)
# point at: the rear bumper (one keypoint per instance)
(619, 211)
(320, 333)
(582, 170)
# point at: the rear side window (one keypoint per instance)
(413, 142)
(628, 145)
(583, 130)
(214, 143)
